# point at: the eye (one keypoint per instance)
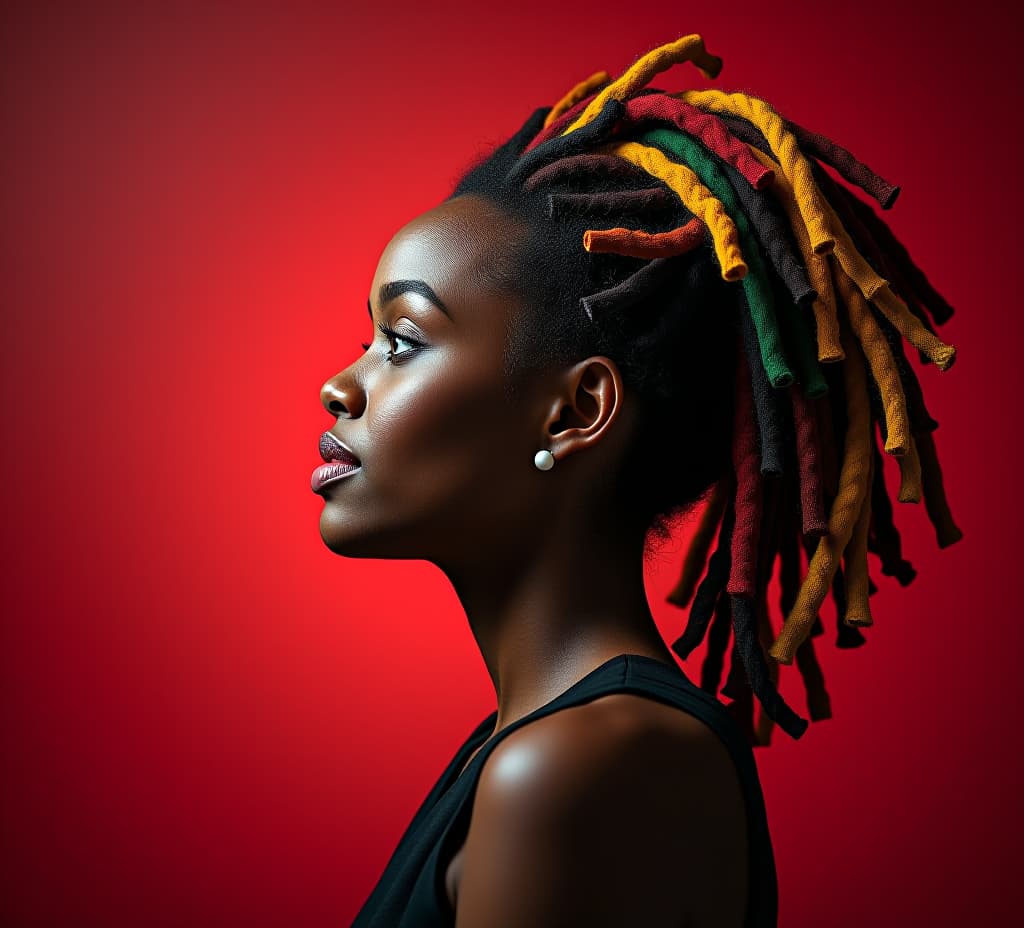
(393, 336)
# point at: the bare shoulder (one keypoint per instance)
(619, 810)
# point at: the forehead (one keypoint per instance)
(446, 247)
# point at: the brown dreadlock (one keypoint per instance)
(720, 260)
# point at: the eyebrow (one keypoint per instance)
(390, 290)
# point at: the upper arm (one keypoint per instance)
(596, 819)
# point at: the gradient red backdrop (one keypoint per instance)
(208, 718)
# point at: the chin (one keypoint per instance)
(344, 539)
(343, 536)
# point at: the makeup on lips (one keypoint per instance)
(341, 462)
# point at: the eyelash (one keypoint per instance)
(391, 334)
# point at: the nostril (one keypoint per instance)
(335, 406)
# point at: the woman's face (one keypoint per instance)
(446, 462)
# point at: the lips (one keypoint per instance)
(333, 449)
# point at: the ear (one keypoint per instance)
(591, 399)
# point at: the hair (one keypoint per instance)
(757, 309)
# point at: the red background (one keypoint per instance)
(208, 718)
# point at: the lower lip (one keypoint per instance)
(331, 473)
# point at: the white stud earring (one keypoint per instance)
(544, 460)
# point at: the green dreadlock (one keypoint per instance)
(720, 261)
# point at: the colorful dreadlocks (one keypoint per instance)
(820, 296)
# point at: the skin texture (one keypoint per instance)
(620, 811)
(552, 586)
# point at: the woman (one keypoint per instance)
(640, 301)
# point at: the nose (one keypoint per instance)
(341, 397)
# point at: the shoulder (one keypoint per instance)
(616, 736)
(604, 813)
(618, 740)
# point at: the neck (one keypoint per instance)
(548, 612)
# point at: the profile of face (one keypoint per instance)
(446, 460)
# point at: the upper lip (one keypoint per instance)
(333, 448)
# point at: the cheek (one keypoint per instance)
(452, 411)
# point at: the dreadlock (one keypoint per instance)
(761, 306)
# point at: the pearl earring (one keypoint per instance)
(544, 460)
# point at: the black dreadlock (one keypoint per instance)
(740, 292)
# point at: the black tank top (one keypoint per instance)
(411, 891)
